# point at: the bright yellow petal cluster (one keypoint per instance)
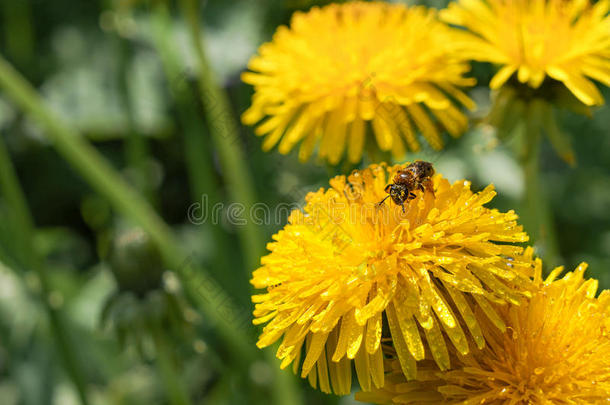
(568, 41)
(342, 267)
(556, 350)
(345, 67)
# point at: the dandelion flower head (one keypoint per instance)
(556, 350)
(567, 41)
(344, 71)
(347, 273)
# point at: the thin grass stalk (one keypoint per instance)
(197, 152)
(224, 131)
(137, 150)
(198, 162)
(225, 134)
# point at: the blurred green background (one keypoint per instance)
(91, 310)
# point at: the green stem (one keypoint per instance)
(23, 230)
(225, 134)
(88, 162)
(196, 143)
(170, 376)
(136, 146)
(539, 217)
(226, 137)
(197, 160)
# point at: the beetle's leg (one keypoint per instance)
(382, 201)
(427, 184)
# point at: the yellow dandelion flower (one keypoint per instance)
(347, 271)
(556, 350)
(340, 69)
(568, 41)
